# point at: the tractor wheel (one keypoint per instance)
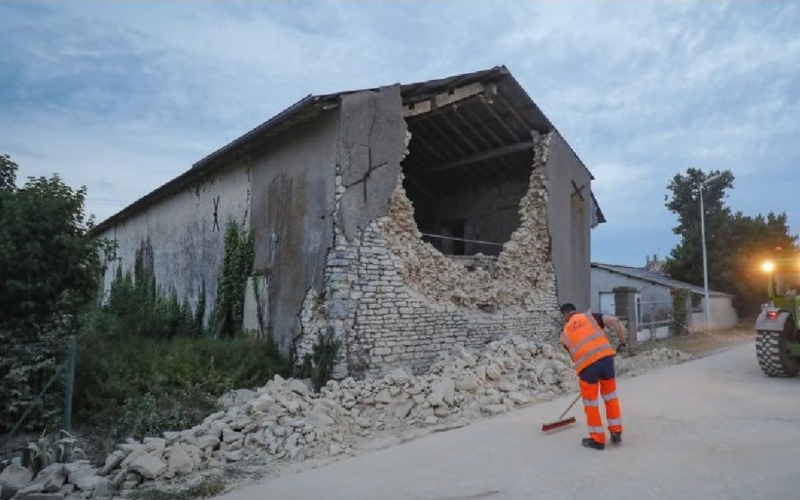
(772, 355)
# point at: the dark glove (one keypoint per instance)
(622, 347)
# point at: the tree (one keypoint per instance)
(49, 265)
(735, 242)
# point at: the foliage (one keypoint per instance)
(133, 386)
(318, 365)
(735, 242)
(681, 308)
(47, 450)
(137, 308)
(236, 267)
(49, 266)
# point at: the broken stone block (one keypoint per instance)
(15, 476)
(148, 466)
(229, 436)
(204, 442)
(103, 489)
(383, 397)
(155, 446)
(112, 461)
(85, 480)
(179, 460)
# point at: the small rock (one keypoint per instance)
(85, 480)
(442, 392)
(431, 420)
(67, 489)
(403, 410)
(103, 489)
(229, 436)
(149, 466)
(383, 397)
(493, 373)
(467, 384)
(495, 409)
(290, 405)
(335, 449)
(519, 398)
(16, 476)
(234, 456)
(441, 411)
(179, 460)
(155, 446)
(298, 386)
(40, 496)
(52, 478)
(399, 377)
(204, 442)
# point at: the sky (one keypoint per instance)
(123, 96)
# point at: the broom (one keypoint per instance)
(561, 422)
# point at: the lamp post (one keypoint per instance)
(705, 259)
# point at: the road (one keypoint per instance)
(714, 428)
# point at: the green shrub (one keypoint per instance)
(134, 387)
(318, 365)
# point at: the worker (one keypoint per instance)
(584, 337)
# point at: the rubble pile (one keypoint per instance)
(287, 420)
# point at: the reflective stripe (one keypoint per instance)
(597, 430)
(584, 341)
(590, 353)
(609, 396)
(567, 342)
(591, 402)
(614, 421)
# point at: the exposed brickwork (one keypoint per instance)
(398, 302)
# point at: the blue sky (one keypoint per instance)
(123, 96)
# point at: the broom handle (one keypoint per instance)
(570, 406)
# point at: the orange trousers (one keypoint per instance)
(600, 376)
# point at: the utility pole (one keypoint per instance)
(705, 258)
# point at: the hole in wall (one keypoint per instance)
(468, 167)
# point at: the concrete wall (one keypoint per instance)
(723, 315)
(186, 232)
(293, 190)
(568, 219)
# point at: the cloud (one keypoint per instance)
(122, 96)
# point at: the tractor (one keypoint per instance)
(778, 325)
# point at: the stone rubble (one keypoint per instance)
(287, 420)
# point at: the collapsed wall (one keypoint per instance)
(396, 301)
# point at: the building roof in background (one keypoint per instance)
(656, 278)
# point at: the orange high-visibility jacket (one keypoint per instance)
(585, 340)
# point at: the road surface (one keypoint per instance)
(714, 428)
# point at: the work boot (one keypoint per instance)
(616, 437)
(591, 443)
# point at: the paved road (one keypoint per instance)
(714, 428)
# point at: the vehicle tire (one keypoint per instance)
(771, 352)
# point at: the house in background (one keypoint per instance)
(405, 219)
(654, 296)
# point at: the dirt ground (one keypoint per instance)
(701, 344)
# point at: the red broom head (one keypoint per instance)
(558, 425)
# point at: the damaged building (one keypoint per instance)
(406, 219)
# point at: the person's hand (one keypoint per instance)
(622, 347)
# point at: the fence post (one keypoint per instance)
(69, 383)
(625, 307)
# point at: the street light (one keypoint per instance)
(705, 259)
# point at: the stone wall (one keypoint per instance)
(398, 302)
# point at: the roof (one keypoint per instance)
(656, 278)
(313, 105)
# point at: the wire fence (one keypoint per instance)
(37, 381)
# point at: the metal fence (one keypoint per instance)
(37, 381)
(655, 319)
